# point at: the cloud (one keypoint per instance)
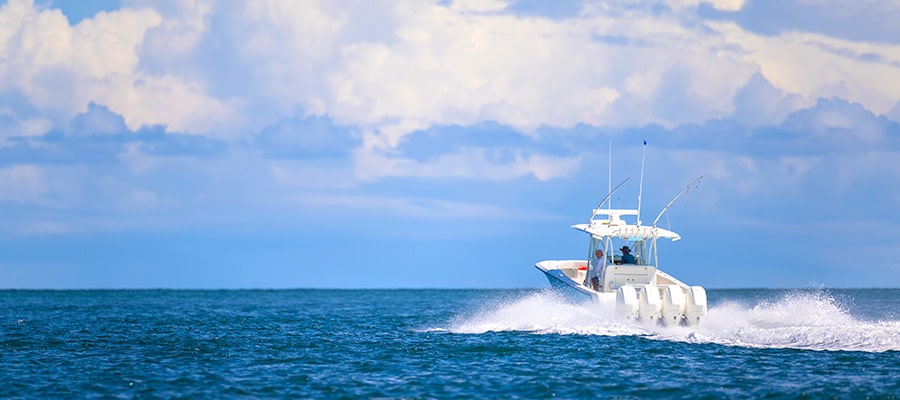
(99, 136)
(175, 39)
(449, 68)
(478, 5)
(471, 163)
(13, 126)
(831, 126)
(369, 91)
(233, 69)
(98, 120)
(61, 69)
(807, 65)
(820, 161)
(22, 183)
(311, 137)
(894, 114)
(51, 62)
(721, 5)
(759, 103)
(861, 21)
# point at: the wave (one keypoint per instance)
(797, 320)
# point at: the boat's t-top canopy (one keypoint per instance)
(615, 227)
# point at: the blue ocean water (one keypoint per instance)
(440, 344)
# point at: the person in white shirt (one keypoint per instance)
(599, 263)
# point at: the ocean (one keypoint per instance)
(815, 343)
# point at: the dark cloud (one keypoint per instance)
(98, 120)
(763, 127)
(99, 136)
(871, 21)
(831, 126)
(309, 137)
(440, 140)
(155, 141)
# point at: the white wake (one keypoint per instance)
(800, 320)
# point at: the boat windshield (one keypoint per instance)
(639, 251)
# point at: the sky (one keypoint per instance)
(443, 144)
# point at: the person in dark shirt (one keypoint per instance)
(627, 258)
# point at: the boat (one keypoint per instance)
(638, 291)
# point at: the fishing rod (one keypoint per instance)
(683, 191)
(612, 191)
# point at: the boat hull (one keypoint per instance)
(663, 299)
(566, 286)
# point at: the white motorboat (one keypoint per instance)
(638, 290)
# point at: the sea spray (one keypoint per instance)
(811, 320)
(544, 313)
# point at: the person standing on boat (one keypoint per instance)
(599, 264)
(627, 258)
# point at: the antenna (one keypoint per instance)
(683, 191)
(641, 190)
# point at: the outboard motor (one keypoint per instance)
(651, 304)
(672, 305)
(695, 305)
(627, 302)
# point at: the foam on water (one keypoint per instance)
(545, 312)
(803, 320)
(798, 320)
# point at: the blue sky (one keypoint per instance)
(442, 144)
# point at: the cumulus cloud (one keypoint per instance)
(47, 59)
(405, 67)
(61, 69)
(444, 67)
(759, 103)
(234, 70)
(842, 125)
(811, 66)
(174, 40)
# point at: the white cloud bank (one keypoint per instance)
(391, 69)
(60, 69)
